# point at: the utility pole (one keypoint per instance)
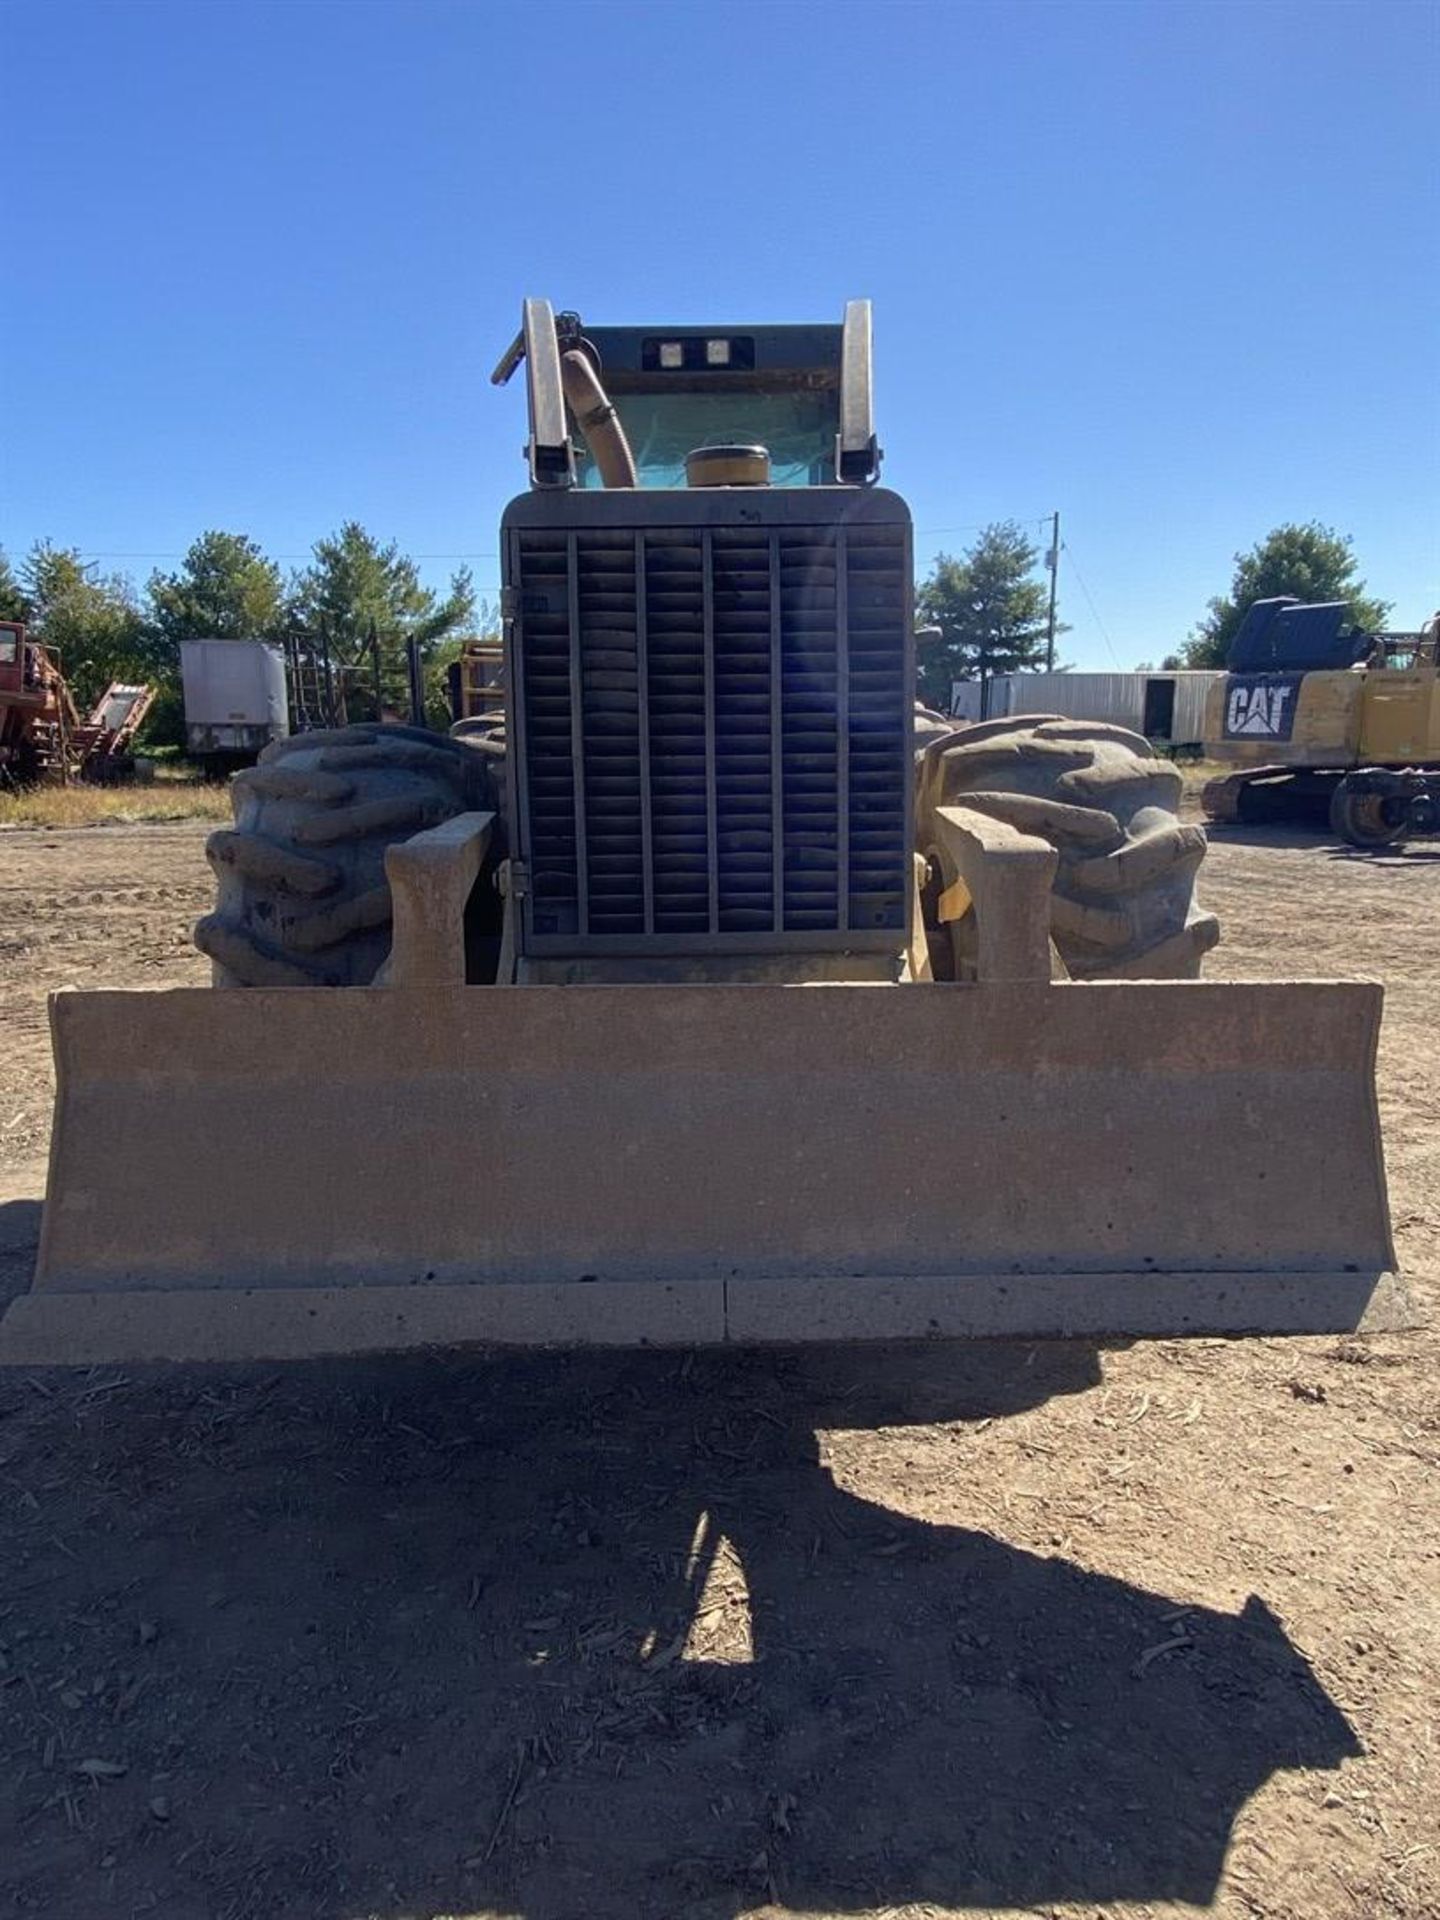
(1054, 558)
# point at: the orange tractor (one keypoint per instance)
(42, 736)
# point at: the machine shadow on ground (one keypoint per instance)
(1319, 839)
(590, 1635)
(19, 1238)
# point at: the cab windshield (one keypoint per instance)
(797, 427)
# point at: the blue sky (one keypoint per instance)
(1171, 268)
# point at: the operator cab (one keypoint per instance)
(12, 655)
(684, 389)
(799, 394)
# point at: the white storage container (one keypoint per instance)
(1168, 708)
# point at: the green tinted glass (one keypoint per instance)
(798, 428)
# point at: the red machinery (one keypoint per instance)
(42, 736)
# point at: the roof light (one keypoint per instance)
(717, 353)
(672, 353)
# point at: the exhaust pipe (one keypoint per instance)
(599, 422)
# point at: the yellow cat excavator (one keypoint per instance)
(706, 994)
(1321, 721)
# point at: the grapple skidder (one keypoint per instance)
(712, 994)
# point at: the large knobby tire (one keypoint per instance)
(1123, 905)
(302, 899)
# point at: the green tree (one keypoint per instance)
(14, 605)
(92, 621)
(1310, 561)
(356, 589)
(990, 609)
(225, 589)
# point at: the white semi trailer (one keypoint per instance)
(235, 697)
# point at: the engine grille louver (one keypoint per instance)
(722, 756)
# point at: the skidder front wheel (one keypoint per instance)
(302, 899)
(1123, 905)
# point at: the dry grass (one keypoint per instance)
(122, 806)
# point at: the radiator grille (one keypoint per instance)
(716, 731)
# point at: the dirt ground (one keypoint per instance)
(1011, 1629)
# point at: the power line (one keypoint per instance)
(1094, 610)
(1039, 520)
(161, 553)
(483, 589)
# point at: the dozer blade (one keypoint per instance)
(286, 1173)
